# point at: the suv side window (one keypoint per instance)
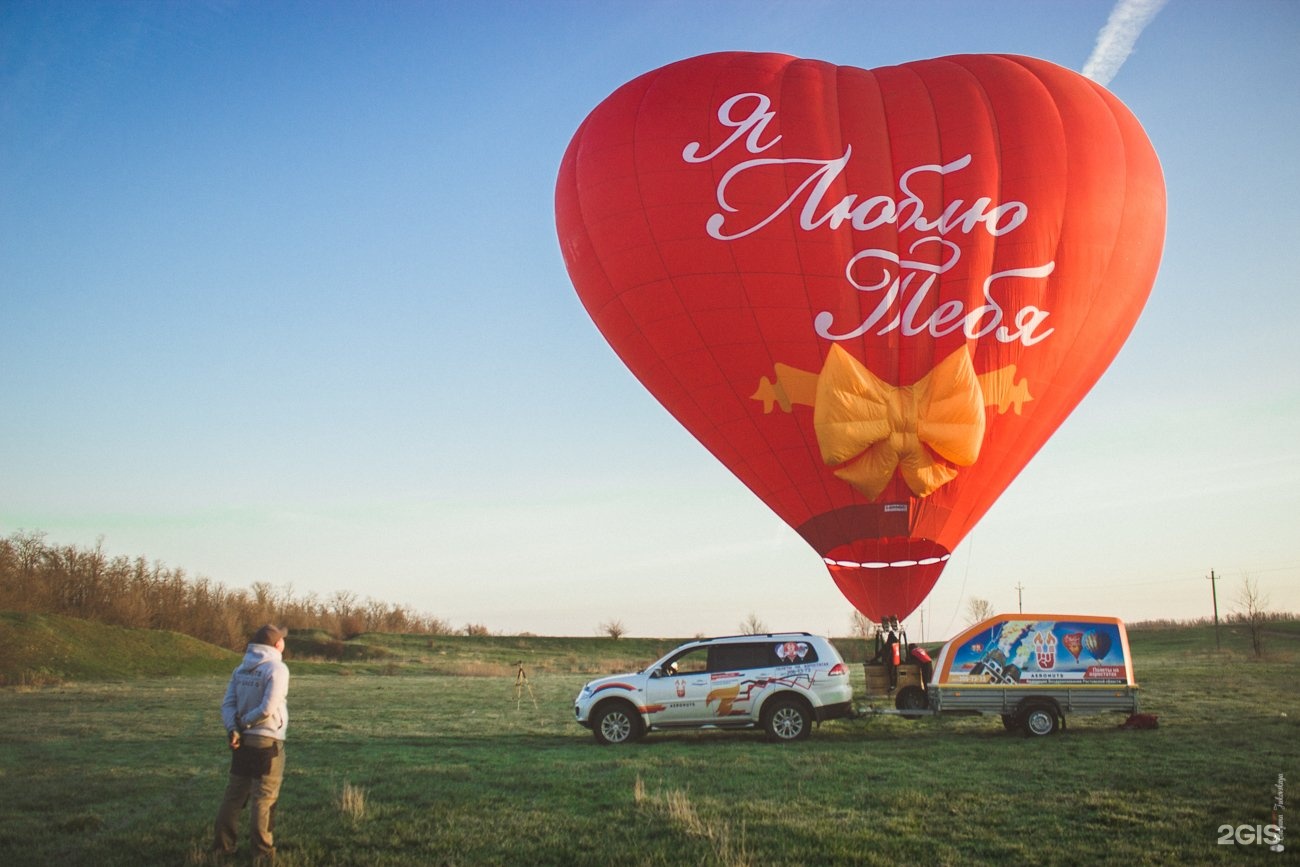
(790, 653)
(739, 657)
(692, 661)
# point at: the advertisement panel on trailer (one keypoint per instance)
(1039, 648)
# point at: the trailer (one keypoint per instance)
(1029, 669)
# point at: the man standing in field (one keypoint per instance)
(255, 715)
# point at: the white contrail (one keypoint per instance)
(1116, 39)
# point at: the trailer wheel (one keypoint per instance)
(1040, 719)
(911, 698)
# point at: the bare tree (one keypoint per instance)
(349, 618)
(860, 626)
(978, 609)
(1252, 611)
(751, 625)
(264, 601)
(614, 629)
(30, 546)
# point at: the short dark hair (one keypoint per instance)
(269, 634)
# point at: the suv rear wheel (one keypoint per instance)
(787, 719)
(616, 723)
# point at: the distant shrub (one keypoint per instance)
(38, 577)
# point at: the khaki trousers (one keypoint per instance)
(262, 793)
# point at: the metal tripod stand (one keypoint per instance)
(521, 683)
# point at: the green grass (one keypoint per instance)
(47, 648)
(481, 654)
(453, 769)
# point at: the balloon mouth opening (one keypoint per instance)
(886, 577)
(886, 554)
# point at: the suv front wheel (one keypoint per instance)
(616, 723)
(787, 719)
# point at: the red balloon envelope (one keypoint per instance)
(873, 295)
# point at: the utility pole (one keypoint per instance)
(1214, 594)
(1020, 599)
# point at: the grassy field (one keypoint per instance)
(40, 649)
(419, 752)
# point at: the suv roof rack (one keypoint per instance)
(750, 635)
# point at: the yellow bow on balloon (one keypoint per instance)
(867, 429)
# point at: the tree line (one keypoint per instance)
(42, 578)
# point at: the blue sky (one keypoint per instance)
(281, 300)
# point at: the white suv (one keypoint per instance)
(784, 682)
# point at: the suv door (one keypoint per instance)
(735, 679)
(679, 689)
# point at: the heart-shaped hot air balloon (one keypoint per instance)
(873, 295)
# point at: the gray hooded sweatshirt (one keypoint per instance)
(255, 699)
